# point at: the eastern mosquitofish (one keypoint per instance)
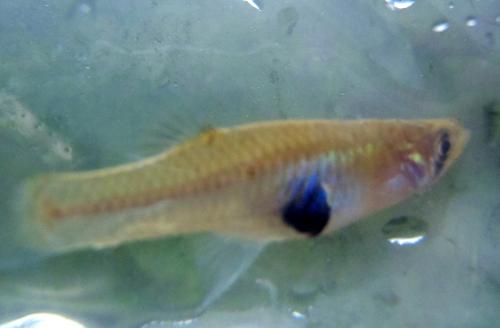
(265, 181)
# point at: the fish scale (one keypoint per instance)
(237, 181)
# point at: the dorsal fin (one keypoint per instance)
(191, 125)
(173, 131)
(208, 134)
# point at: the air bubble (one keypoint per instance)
(405, 231)
(440, 26)
(399, 4)
(471, 21)
(298, 315)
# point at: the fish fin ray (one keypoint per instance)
(223, 261)
(167, 133)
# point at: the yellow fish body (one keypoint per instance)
(264, 181)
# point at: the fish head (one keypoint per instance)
(399, 159)
(423, 154)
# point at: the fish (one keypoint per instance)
(264, 181)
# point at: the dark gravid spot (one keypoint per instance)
(307, 209)
(443, 151)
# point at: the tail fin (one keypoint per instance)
(43, 224)
(64, 211)
(31, 228)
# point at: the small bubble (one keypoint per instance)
(399, 4)
(298, 315)
(405, 231)
(471, 21)
(497, 19)
(84, 9)
(451, 5)
(440, 26)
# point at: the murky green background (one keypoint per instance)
(102, 80)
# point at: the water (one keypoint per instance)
(92, 80)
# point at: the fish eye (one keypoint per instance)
(442, 151)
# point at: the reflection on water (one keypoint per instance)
(471, 21)
(87, 81)
(405, 231)
(42, 320)
(440, 26)
(399, 4)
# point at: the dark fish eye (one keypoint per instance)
(444, 150)
(445, 144)
(307, 209)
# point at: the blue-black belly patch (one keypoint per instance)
(307, 209)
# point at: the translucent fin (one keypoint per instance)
(189, 273)
(223, 260)
(175, 129)
(185, 123)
